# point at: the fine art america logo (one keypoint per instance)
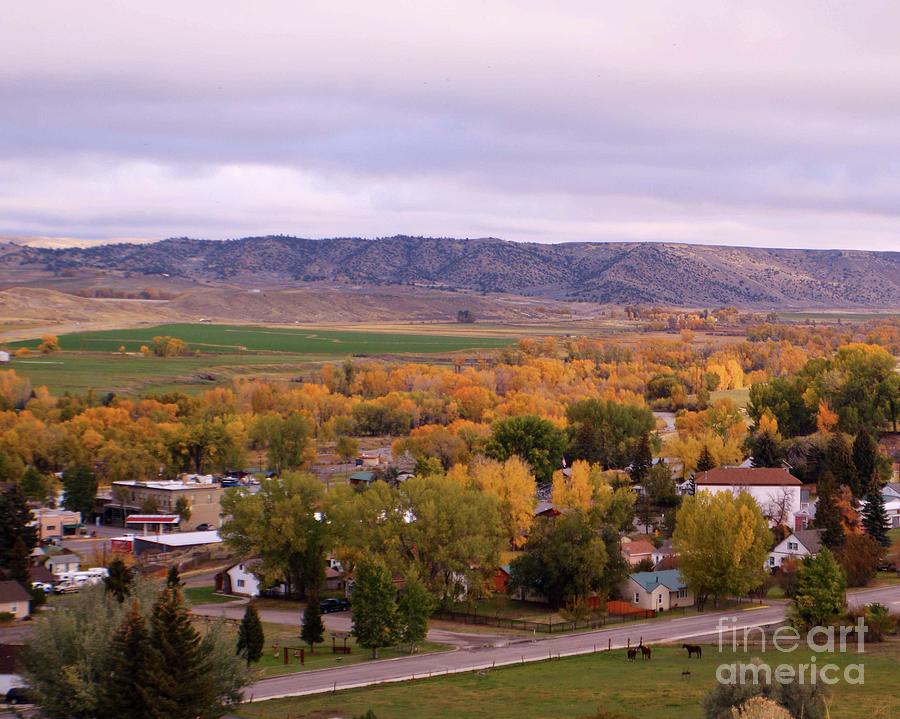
(788, 641)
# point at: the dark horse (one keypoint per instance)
(645, 651)
(693, 649)
(632, 654)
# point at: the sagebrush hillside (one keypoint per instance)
(619, 273)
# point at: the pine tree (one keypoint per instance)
(251, 638)
(865, 459)
(126, 692)
(828, 515)
(119, 579)
(312, 630)
(765, 451)
(821, 591)
(374, 606)
(875, 519)
(180, 682)
(643, 459)
(705, 462)
(840, 463)
(15, 523)
(415, 606)
(173, 578)
(19, 563)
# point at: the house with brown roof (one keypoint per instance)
(637, 550)
(14, 599)
(776, 490)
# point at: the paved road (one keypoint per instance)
(514, 651)
(341, 622)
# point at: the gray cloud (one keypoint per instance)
(705, 122)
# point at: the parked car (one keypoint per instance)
(45, 587)
(68, 587)
(18, 695)
(326, 606)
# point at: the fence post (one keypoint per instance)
(629, 643)
(609, 645)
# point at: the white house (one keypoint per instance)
(659, 591)
(4, 357)
(239, 579)
(799, 544)
(61, 564)
(776, 490)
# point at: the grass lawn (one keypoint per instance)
(249, 338)
(205, 595)
(577, 687)
(739, 396)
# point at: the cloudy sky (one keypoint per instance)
(764, 123)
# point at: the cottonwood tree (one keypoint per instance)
(511, 483)
(413, 610)
(282, 525)
(536, 441)
(723, 541)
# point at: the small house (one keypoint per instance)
(638, 550)
(164, 543)
(364, 479)
(60, 564)
(657, 591)
(798, 544)
(14, 599)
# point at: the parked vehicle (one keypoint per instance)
(326, 606)
(18, 695)
(70, 587)
(45, 587)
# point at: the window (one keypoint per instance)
(771, 561)
(240, 582)
(682, 593)
(637, 598)
(14, 608)
(51, 527)
(793, 546)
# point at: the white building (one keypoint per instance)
(799, 544)
(775, 490)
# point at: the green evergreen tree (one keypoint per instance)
(19, 567)
(312, 630)
(173, 578)
(839, 461)
(126, 689)
(181, 682)
(642, 460)
(820, 595)
(251, 639)
(765, 451)
(705, 461)
(415, 607)
(865, 459)
(828, 515)
(374, 606)
(119, 579)
(875, 519)
(15, 524)
(80, 485)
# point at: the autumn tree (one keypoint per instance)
(511, 483)
(346, 447)
(723, 541)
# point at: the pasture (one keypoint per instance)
(580, 686)
(233, 339)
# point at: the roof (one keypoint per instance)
(152, 519)
(11, 591)
(40, 573)
(669, 562)
(747, 477)
(182, 539)
(172, 485)
(810, 538)
(638, 546)
(63, 559)
(669, 578)
(362, 477)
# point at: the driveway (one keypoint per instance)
(514, 651)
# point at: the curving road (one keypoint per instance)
(507, 650)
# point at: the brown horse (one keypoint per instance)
(693, 649)
(632, 654)
(645, 652)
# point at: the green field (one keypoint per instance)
(91, 360)
(578, 687)
(230, 339)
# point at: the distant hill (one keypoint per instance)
(616, 273)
